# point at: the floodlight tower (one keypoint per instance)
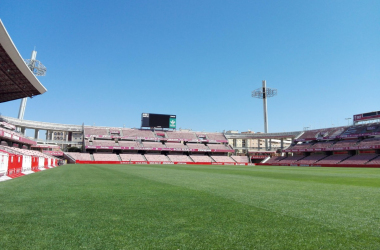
(264, 93)
(39, 70)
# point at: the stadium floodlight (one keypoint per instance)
(348, 121)
(264, 93)
(39, 70)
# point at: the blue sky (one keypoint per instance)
(109, 61)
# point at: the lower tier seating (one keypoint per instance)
(80, 156)
(333, 159)
(132, 157)
(240, 159)
(222, 158)
(292, 159)
(311, 159)
(358, 159)
(201, 158)
(180, 158)
(156, 157)
(106, 157)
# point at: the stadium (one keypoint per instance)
(163, 187)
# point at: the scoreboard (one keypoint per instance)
(367, 116)
(158, 121)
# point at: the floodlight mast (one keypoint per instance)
(39, 70)
(264, 93)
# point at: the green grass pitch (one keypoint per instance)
(191, 207)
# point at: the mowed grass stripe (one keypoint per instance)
(367, 177)
(145, 207)
(343, 207)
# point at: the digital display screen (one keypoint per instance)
(158, 120)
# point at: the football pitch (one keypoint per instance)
(191, 207)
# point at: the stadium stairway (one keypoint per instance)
(92, 157)
(118, 156)
(144, 158)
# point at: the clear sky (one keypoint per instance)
(109, 61)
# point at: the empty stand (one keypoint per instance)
(197, 146)
(300, 146)
(180, 158)
(95, 131)
(80, 156)
(157, 157)
(181, 135)
(138, 133)
(240, 159)
(375, 161)
(311, 159)
(216, 136)
(222, 158)
(370, 142)
(105, 157)
(275, 159)
(292, 159)
(201, 158)
(153, 145)
(104, 143)
(333, 159)
(132, 157)
(345, 143)
(176, 145)
(326, 144)
(134, 144)
(218, 146)
(358, 159)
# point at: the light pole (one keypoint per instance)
(348, 121)
(264, 93)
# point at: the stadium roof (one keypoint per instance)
(16, 79)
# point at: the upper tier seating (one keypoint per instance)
(300, 146)
(216, 136)
(95, 131)
(105, 157)
(353, 130)
(218, 146)
(311, 159)
(138, 133)
(180, 158)
(344, 143)
(309, 134)
(292, 159)
(240, 159)
(375, 161)
(358, 159)
(322, 144)
(333, 132)
(197, 146)
(320, 133)
(114, 131)
(80, 156)
(153, 144)
(132, 157)
(370, 142)
(180, 135)
(333, 159)
(134, 144)
(104, 143)
(201, 158)
(156, 157)
(175, 145)
(222, 158)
